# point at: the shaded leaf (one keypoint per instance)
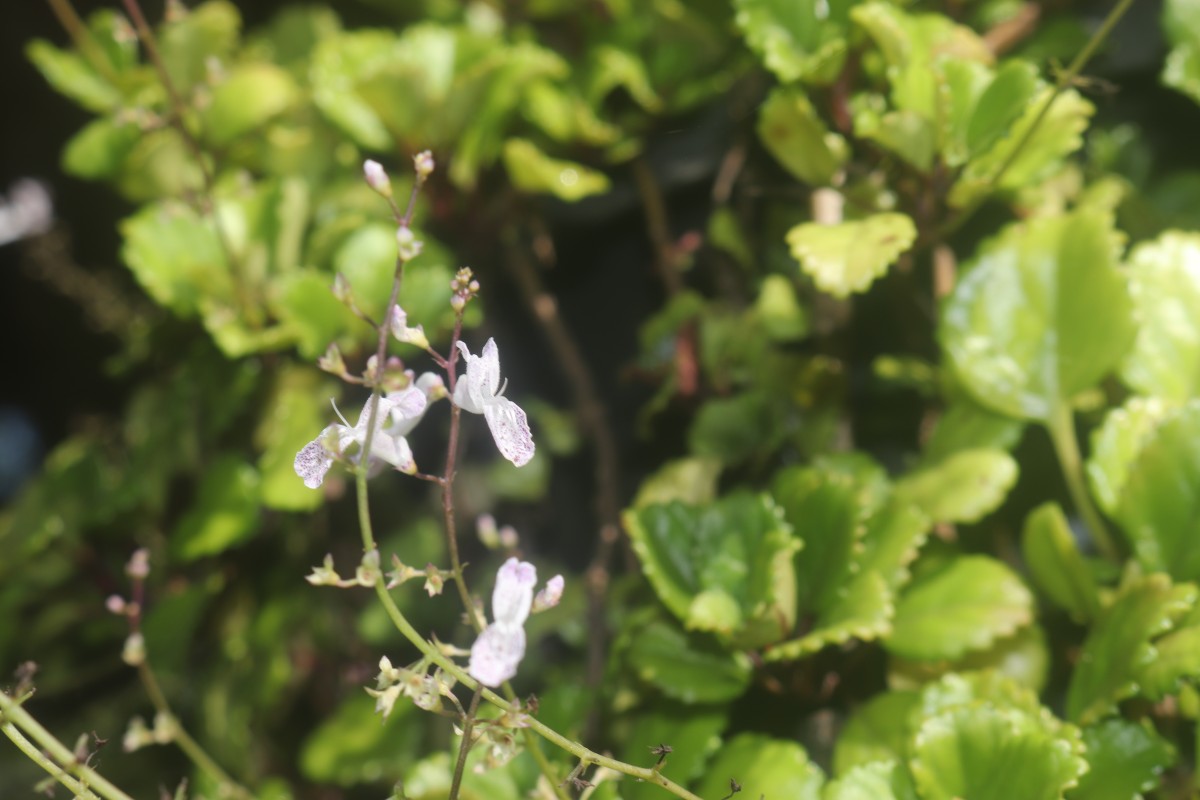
(531, 170)
(688, 667)
(763, 767)
(796, 40)
(878, 730)
(693, 733)
(225, 513)
(792, 132)
(881, 780)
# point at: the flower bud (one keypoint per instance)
(423, 164)
(134, 652)
(341, 289)
(377, 178)
(115, 604)
(409, 245)
(458, 303)
(332, 362)
(139, 564)
(549, 596)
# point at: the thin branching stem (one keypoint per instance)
(78, 789)
(464, 747)
(13, 715)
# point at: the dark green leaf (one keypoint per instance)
(691, 668)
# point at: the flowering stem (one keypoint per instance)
(36, 756)
(12, 715)
(227, 786)
(465, 746)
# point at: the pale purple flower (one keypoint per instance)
(377, 178)
(499, 649)
(480, 391)
(549, 596)
(399, 327)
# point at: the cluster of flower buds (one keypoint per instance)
(465, 287)
(425, 689)
(138, 735)
(493, 537)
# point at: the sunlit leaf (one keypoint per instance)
(1058, 568)
(1124, 758)
(849, 256)
(244, 101)
(1116, 445)
(790, 129)
(966, 606)
(1164, 277)
(965, 487)
(1181, 23)
(1040, 315)
(225, 513)
(1119, 647)
(880, 780)
(531, 170)
(796, 40)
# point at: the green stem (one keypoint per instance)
(1061, 427)
(227, 786)
(13, 715)
(1065, 79)
(36, 756)
(464, 747)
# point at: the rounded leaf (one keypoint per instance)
(966, 606)
(764, 767)
(690, 668)
(964, 487)
(246, 100)
(1057, 566)
(847, 257)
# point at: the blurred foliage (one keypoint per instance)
(874, 560)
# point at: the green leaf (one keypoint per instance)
(862, 610)
(966, 606)
(1001, 103)
(688, 480)
(823, 509)
(894, 535)
(987, 753)
(1116, 445)
(1181, 23)
(725, 567)
(293, 415)
(967, 425)
(792, 132)
(246, 100)
(847, 257)
(531, 170)
(965, 487)
(225, 513)
(1160, 505)
(158, 166)
(192, 39)
(734, 429)
(881, 780)
(905, 133)
(691, 668)
(763, 767)
(693, 732)
(1125, 758)
(805, 39)
(71, 75)
(1057, 135)
(1164, 278)
(1057, 566)
(336, 63)
(98, 151)
(355, 745)
(779, 311)
(176, 257)
(876, 731)
(1022, 658)
(1177, 659)
(1118, 647)
(1040, 315)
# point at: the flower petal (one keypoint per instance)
(488, 365)
(312, 462)
(510, 429)
(496, 654)
(549, 596)
(513, 595)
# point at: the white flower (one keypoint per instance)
(480, 391)
(399, 413)
(399, 326)
(549, 596)
(499, 649)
